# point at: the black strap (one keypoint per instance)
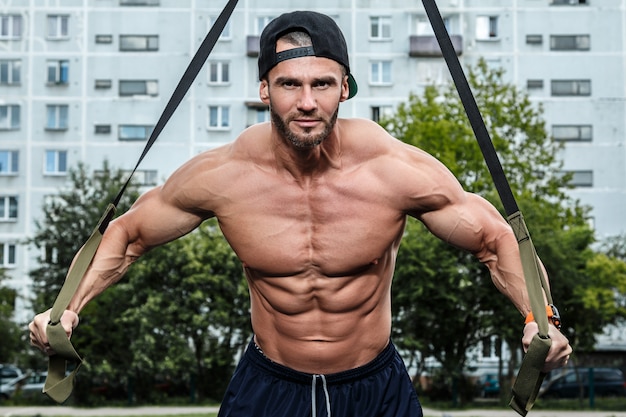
(530, 376)
(58, 386)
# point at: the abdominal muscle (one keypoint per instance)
(322, 325)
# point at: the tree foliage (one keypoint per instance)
(179, 317)
(9, 331)
(444, 301)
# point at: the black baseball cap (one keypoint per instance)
(326, 37)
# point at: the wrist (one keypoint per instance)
(551, 312)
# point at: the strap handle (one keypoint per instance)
(529, 379)
(58, 386)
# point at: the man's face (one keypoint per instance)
(304, 95)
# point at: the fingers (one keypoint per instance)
(38, 336)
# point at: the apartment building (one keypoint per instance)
(86, 80)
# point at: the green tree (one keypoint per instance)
(68, 220)
(9, 331)
(192, 313)
(444, 301)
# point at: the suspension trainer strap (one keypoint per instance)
(530, 375)
(58, 386)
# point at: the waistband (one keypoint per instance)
(255, 355)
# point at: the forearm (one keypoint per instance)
(114, 256)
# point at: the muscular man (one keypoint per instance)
(314, 207)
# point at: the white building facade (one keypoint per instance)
(86, 80)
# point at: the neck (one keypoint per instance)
(306, 163)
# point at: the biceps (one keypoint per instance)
(154, 220)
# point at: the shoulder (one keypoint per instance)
(416, 177)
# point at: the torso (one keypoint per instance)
(318, 255)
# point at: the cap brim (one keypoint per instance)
(352, 87)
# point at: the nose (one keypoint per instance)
(306, 101)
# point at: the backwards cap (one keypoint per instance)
(326, 38)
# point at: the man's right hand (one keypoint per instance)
(37, 327)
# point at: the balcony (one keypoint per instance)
(428, 47)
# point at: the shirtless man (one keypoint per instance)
(314, 207)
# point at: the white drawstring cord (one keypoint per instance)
(314, 395)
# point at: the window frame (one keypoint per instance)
(218, 117)
(142, 88)
(584, 133)
(384, 69)
(492, 25)
(56, 159)
(57, 117)
(12, 70)
(13, 117)
(8, 255)
(124, 130)
(221, 68)
(380, 24)
(8, 208)
(580, 42)
(58, 71)
(11, 27)
(58, 27)
(11, 158)
(577, 88)
(151, 43)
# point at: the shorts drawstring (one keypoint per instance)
(314, 395)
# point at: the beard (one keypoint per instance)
(307, 139)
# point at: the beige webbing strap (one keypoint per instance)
(58, 386)
(530, 375)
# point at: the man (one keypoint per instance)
(314, 207)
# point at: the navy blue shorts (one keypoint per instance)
(262, 388)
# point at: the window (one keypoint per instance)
(572, 133)
(57, 115)
(380, 72)
(262, 115)
(7, 255)
(139, 2)
(58, 26)
(571, 87)
(219, 73)
(8, 208)
(380, 28)
(139, 88)
(420, 25)
(534, 39)
(9, 117)
(104, 38)
(486, 27)
(139, 42)
(58, 72)
(9, 162)
(102, 129)
(261, 22)
(55, 162)
(144, 177)
(219, 117)
(581, 178)
(10, 71)
(568, 2)
(570, 42)
(534, 84)
(103, 84)
(10, 26)
(226, 33)
(134, 132)
(379, 112)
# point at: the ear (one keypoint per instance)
(345, 89)
(264, 92)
